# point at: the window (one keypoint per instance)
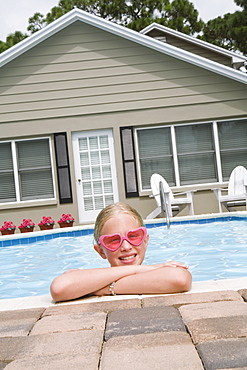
(192, 153)
(25, 170)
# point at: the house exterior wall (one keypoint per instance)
(192, 48)
(83, 78)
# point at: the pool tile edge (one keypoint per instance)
(46, 300)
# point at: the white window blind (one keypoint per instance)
(155, 154)
(233, 145)
(196, 154)
(26, 163)
(192, 152)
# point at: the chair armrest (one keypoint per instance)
(186, 192)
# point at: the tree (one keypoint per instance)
(36, 22)
(229, 31)
(11, 40)
(178, 14)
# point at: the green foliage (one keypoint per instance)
(36, 22)
(11, 40)
(229, 31)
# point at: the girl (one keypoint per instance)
(122, 239)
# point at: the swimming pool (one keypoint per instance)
(213, 250)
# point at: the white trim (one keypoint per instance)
(77, 14)
(217, 151)
(175, 156)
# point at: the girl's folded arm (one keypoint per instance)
(155, 281)
(76, 283)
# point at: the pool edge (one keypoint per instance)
(46, 300)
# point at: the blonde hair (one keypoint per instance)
(110, 211)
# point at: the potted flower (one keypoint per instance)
(8, 228)
(46, 223)
(66, 220)
(26, 226)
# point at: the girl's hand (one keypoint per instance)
(146, 268)
(71, 270)
(175, 264)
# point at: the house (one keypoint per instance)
(90, 109)
(194, 45)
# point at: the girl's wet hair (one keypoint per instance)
(110, 211)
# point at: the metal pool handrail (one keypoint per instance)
(163, 204)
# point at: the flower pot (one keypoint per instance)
(46, 227)
(66, 224)
(26, 229)
(8, 232)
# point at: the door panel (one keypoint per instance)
(95, 172)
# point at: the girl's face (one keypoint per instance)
(126, 254)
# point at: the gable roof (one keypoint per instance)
(80, 15)
(236, 59)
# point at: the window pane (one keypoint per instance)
(33, 154)
(233, 145)
(196, 154)
(7, 188)
(103, 142)
(162, 166)
(155, 153)
(190, 168)
(93, 143)
(34, 165)
(36, 184)
(194, 138)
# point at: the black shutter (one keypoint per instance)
(63, 169)
(129, 162)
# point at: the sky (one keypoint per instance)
(14, 14)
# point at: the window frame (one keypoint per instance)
(178, 186)
(30, 202)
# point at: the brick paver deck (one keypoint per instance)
(172, 332)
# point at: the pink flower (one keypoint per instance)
(8, 225)
(46, 220)
(66, 217)
(26, 222)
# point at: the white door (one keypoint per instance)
(95, 172)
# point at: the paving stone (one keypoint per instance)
(70, 322)
(218, 328)
(86, 361)
(224, 354)
(51, 344)
(243, 293)
(212, 310)
(172, 350)
(18, 322)
(146, 320)
(178, 300)
(104, 306)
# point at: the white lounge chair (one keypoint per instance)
(237, 190)
(173, 205)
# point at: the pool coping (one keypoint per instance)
(46, 300)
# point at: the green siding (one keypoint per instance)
(85, 71)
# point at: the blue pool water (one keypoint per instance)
(215, 250)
